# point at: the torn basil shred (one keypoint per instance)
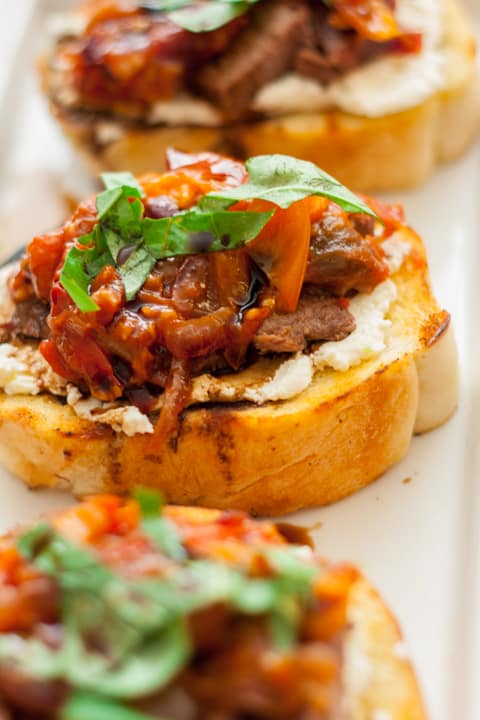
(126, 637)
(209, 226)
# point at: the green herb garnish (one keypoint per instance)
(208, 227)
(88, 706)
(140, 626)
(283, 180)
(199, 17)
(160, 529)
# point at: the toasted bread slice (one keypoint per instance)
(370, 154)
(380, 683)
(368, 676)
(338, 435)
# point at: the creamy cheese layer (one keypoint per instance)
(24, 371)
(388, 85)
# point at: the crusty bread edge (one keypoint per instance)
(379, 679)
(370, 154)
(337, 436)
(438, 378)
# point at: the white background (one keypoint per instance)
(417, 541)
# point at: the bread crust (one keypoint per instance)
(378, 680)
(337, 436)
(371, 154)
(387, 687)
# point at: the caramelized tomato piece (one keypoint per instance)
(281, 250)
(373, 19)
(99, 11)
(44, 255)
(193, 176)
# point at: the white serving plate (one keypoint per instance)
(413, 532)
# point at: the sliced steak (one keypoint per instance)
(333, 52)
(341, 259)
(261, 53)
(316, 318)
(29, 320)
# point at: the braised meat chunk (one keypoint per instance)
(261, 53)
(29, 319)
(146, 286)
(342, 259)
(316, 318)
(132, 55)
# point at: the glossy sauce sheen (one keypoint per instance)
(200, 312)
(130, 57)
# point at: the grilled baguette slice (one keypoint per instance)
(369, 154)
(390, 689)
(376, 679)
(338, 435)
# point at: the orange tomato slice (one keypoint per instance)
(281, 249)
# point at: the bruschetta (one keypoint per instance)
(115, 609)
(377, 92)
(253, 336)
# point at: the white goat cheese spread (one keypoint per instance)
(370, 335)
(185, 109)
(291, 378)
(396, 250)
(24, 371)
(390, 84)
(124, 418)
(387, 85)
(15, 375)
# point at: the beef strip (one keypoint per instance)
(341, 259)
(263, 52)
(29, 320)
(317, 317)
(335, 54)
(332, 52)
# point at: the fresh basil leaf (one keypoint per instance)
(136, 270)
(286, 562)
(208, 16)
(124, 217)
(106, 200)
(31, 655)
(34, 540)
(113, 180)
(137, 608)
(199, 17)
(150, 501)
(89, 706)
(76, 280)
(74, 568)
(165, 535)
(114, 242)
(160, 529)
(230, 230)
(97, 263)
(283, 180)
(163, 5)
(148, 667)
(256, 596)
(164, 237)
(195, 232)
(283, 626)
